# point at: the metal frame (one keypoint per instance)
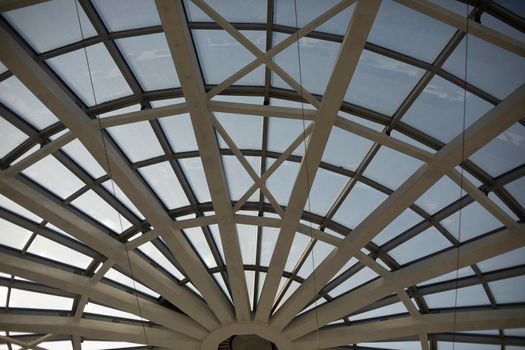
(32, 70)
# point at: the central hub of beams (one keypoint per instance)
(250, 342)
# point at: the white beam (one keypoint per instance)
(460, 22)
(180, 43)
(408, 326)
(476, 136)
(350, 51)
(95, 329)
(41, 84)
(478, 250)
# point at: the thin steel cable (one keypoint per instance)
(109, 172)
(308, 185)
(461, 173)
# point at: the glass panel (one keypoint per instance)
(116, 276)
(425, 243)
(403, 222)
(83, 158)
(475, 221)
(53, 175)
(58, 252)
(325, 189)
(291, 289)
(268, 240)
(128, 109)
(509, 290)
(242, 11)
(281, 182)
(505, 152)
(3, 68)
(20, 100)
(484, 68)
(165, 184)
(438, 111)
(199, 243)
(500, 26)
(392, 309)
(51, 24)
(517, 189)
(93, 205)
(108, 311)
(515, 6)
(343, 140)
(237, 177)
(17, 209)
(13, 235)
(108, 81)
(299, 244)
(179, 132)
(150, 59)
(439, 195)
(318, 58)
(137, 140)
(154, 254)
(394, 345)
(248, 241)
(11, 137)
(217, 238)
(391, 168)
(282, 132)
(57, 345)
(245, 131)
(250, 283)
(404, 30)
(316, 256)
(194, 172)
(214, 47)
(103, 345)
(307, 10)
(468, 296)
(113, 188)
(359, 278)
(361, 201)
(380, 83)
(126, 14)
(467, 346)
(26, 299)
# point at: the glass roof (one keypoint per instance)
(173, 167)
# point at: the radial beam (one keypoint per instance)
(478, 250)
(471, 27)
(20, 62)
(489, 126)
(101, 293)
(100, 330)
(408, 326)
(38, 202)
(175, 26)
(351, 48)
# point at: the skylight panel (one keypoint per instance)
(237, 177)
(319, 252)
(317, 62)
(11, 137)
(343, 140)
(248, 241)
(439, 110)
(282, 132)
(108, 81)
(54, 176)
(119, 277)
(404, 30)
(96, 207)
(55, 251)
(137, 140)
(268, 241)
(105, 345)
(83, 158)
(403, 222)
(215, 47)
(467, 296)
(485, 68)
(361, 201)
(245, 131)
(8, 204)
(194, 171)
(281, 182)
(450, 276)
(392, 309)
(442, 193)
(358, 279)
(26, 299)
(113, 188)
(165, 184)
(199, 243)
(297, 249)
(250, 285)
(214, 229)
(179, 132)
(324, 191)
(20, 100)
(51, 24)
(284, 14)
(391, 168)
(150, 59)
(509, 290)
(13, 235)
(393, 345)
(127, 14)
(425, 243)
(97, 309)
(504, 153)
(3, 68)
(240, 11)
(500, 26)
(509, 259)
(517, 189)
(380, 83)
